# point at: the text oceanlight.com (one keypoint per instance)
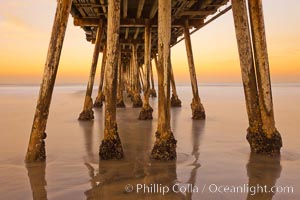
(211, 188)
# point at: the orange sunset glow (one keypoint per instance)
(149, 99)
(25, 35)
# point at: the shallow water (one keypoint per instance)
(210, 153)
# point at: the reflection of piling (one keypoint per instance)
(197, 131)
(262, 171)
(87, 128)
(262, 134)
(36, 175)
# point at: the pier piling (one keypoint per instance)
(146, 112)
(175, 101)
(36, 148)
(165, 143)
(198, 111)
(100, 96)
(88, 113)
(262, 134)
(111, 147)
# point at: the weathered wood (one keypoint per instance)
(136, 34)
(136, 99)
(175, 101)
(100, 97)
(152, 90)
(140, 8)
(132, 22)
(201, 25)
(88, 113)
(247, 65)
(125, 76)
(146, 112)
(141, 80)
(173, 84)
(120, 102)
(260, 141)
(126, 33)
(153, 10)
(125, 8)
(142, 12)
(111, 147)
(262, 66)
(36, 146)
(198, 111)
(165, 144)
(102, 2)
(87, 5)
(125, 22)
(131, 77)
(135, 72)
(273, 141)
(198, 12)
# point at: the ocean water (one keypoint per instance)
(214, 159)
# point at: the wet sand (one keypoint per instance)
(214, 151)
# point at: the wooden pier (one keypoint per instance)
(131, 33)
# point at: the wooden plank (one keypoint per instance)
(131, 22)
(206, 23)
(140, 8)
(125, 8)
(153, 9)
(103, 7)
(79, 5)
(137, 30)
(82, 13)
(126, 33)
(198, 12)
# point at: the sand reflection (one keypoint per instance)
(262, 171)
(36, 175)
(197, 131)
(87, 127)
(112, 177)
(108, 179)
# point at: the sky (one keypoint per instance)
(26, 27)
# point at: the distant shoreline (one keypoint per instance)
(178, 85)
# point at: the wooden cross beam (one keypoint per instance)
(133, 22)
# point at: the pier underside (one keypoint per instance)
(132, 33)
